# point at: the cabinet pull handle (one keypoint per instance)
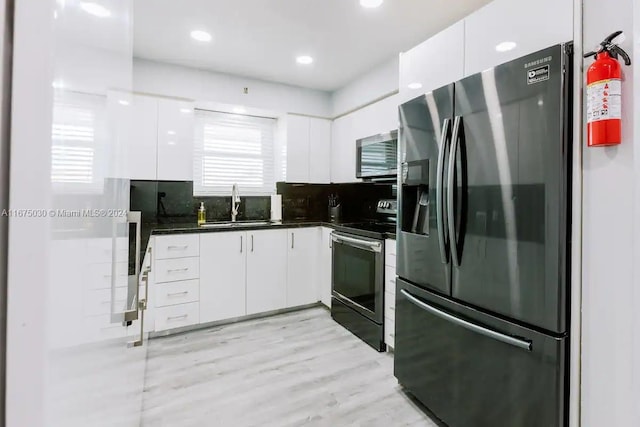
(252, 243)
(178, 247)
(293, 240)
(175, 270)
(184, 316)
(176, 294)
(240, 244)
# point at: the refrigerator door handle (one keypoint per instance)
(453, 240)
(507, 339)
(446, 127)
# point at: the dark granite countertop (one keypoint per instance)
(185, 228)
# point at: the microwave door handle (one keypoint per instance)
(440, 207)
(453, 240)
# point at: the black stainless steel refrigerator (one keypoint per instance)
(482, 314)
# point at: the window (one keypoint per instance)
(233, 149)
(77, 126)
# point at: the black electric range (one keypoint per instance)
(357, 297)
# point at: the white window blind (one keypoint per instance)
(77, 127)
(233, 149)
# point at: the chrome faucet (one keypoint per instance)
(235, 202)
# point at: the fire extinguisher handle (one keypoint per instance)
(617, 50)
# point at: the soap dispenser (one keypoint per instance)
(202, 214)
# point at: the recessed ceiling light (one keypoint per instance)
(505, 46)
(201, 36)
(239, 110)
(58, 84)
(172, 143)
(304, 60)
(172, 132)
(123, 102)
(185, 110)
(95, 9)
(370, 4)
(414, 86)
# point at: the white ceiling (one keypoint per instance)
(261, 38)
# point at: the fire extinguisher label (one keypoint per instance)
(604, 100)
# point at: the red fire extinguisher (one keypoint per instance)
(604, 93)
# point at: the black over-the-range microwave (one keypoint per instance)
(377, 156)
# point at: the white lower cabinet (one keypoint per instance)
(325, 274)
(302, 255)
(390, 293)
(266, 270)
(236, 273)
(223, 272)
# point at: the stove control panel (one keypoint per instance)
(388, 206)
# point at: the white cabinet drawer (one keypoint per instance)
(101, 250)
(390, 253)
(177, 246)
(177, 293)
(98, 276)
(389, 305)
(389, 332)
(174, 270)
(390, 280)
(98, 301)
(100, 328)
(177, 316)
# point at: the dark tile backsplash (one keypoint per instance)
(311, 201)
(173, 202)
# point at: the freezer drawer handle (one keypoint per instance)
(525, 345)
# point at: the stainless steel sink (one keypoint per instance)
(229, 224)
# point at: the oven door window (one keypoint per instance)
(354, 275)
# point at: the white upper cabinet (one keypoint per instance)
(301, 266)
(308, 150)
(142, 147)
(223, 258)
(266, 270)
(508, 29)
(319, 151)
(376, 118)
(433, 63)
(175, 140)
(297, 148)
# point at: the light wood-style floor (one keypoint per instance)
(295, 369)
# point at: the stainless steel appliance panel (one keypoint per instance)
(508, 191)
(425, 127)
(473, 369)
(358, 274)
(377, 156)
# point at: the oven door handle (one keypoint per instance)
(365, 244)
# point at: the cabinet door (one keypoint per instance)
(142, 147)
(175, 140)
(418, 75)
(508, 29)
(301, 266)
(223, 260)
(297, 149)
(343, 150)
(319, 151)
(324, 284)
(266, 270)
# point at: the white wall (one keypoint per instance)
(610, 293)
(379, 82)
(6, 17)
(205, 86)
